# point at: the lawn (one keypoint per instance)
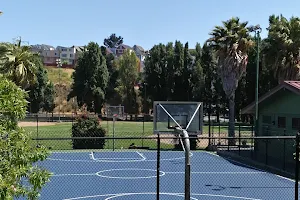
(122, 129)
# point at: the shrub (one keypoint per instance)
(88, 127)
(17, 155)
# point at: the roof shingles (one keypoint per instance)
(295, 84)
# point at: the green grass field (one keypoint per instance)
(122, 129)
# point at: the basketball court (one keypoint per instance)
(132, 175)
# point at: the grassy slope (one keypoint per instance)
(53, 75)
(61, 92)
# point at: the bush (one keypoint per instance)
(88, 127)
(17, 155)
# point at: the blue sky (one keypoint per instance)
(146, 23)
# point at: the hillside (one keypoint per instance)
(61, 90)
(65, 78)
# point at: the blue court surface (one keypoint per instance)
(132, 175)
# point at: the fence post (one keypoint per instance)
(284, 151)
(267, 142)
(297, 166)
(37, 128)
(158, 167)
(143, 130)
(252, 142)
(239, 139)
(219, 132)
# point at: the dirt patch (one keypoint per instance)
(166, 141)
(201, 143)
(26, 124)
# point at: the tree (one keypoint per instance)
(36, 90)
(188, 67)
(16, 64)
(197, 75)
(231, 43)
(49, 104)
(179, 75)
(17, 155)
(112, 97)
(128, 75)
(156, 73)
(113, 41)
(282, 50)
(90, 79)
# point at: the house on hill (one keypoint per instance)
(279, 115)
(121, 49)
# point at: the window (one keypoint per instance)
(55, 54)
(296, 123)
(71, 55)
(267, 119)
(120, 51)
(281, 122)
(64, 55)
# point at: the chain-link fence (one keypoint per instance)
(152, 167)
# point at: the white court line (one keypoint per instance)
(93, 159)
(285, 178)
(163, 193)
(217, 172)
(122, 195)
(129, 177)
(140, 154)
(118, 159)
(74, 174)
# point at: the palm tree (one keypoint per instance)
(16, 64)
(282, 50)
(231, 43)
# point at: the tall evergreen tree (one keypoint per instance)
(187, 73)
(49, 104)
(37, 90)
(90, 79)
(113, 41)
(156, 73)
(209, 68)
(179, 90)
(197, 76)
(170, 84)
(112, 97)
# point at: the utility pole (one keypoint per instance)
(257, 34)
(58, 62)
(145, 102)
